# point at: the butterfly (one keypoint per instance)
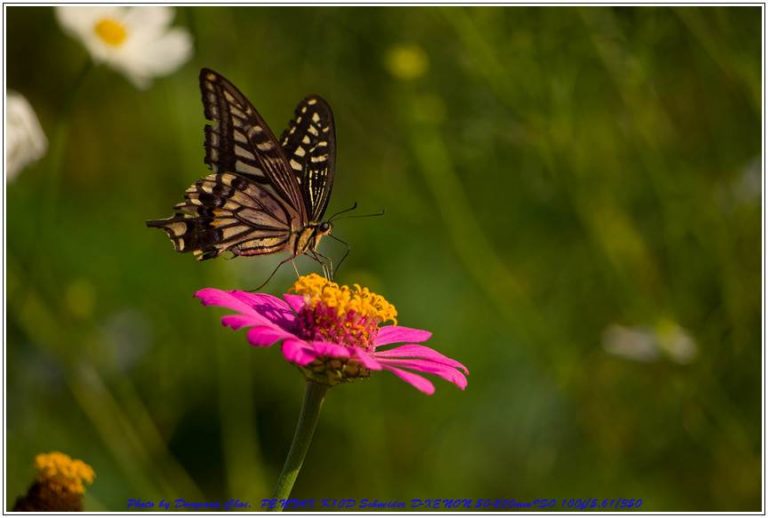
(264, 196)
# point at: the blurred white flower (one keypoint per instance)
(748, 185)
(137, 41)
(643, 344)
(631, 343)
(675, 342)
(25, 141)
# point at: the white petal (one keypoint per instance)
(135, 74)
(25, 141)
(152, 20)
(161, 56)
(96, 47)
(169, 52)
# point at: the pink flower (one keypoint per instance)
(333, 333)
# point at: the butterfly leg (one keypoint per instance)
(293, 263)
(325, 262)
(327, 267)
(274, 272)
(346, 251)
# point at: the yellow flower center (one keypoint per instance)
(111, 31)
(343, 315)
(343, 300)
(61, 473)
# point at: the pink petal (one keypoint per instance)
(296, 302)
(255, 309)
(225, 299)
(276, 310)
(238, 321)
(421, 383)
(399, 334)
(447, 373)
(330, 349)
(367, 360)
(420, 351)
(298, 352)
(264, 336)
(255, 299)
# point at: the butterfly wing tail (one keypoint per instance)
(226, 212)
(189, 234)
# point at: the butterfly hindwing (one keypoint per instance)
(241, 142)
(310, 146)
(227, 212)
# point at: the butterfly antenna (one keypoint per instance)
(346, 253)
(371, 215)
(353, 207)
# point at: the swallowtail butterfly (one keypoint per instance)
(264, 196)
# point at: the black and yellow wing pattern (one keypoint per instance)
(310, 144)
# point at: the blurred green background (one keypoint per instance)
(572, 206)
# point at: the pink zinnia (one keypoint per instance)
(334, 333)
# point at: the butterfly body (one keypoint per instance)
(264, 196)
(308, 239)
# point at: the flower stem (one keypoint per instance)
(59, 141)
(49, 186)
(305, 428)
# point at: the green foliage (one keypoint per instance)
(547, 173)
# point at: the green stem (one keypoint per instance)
(50, 183)
(59, 140)
(310, 413)
(69, 100)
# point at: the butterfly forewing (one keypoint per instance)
(310, 145)
(241, 142)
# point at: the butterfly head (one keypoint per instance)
(322, 229)
(325, 228)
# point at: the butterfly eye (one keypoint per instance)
(325, 227)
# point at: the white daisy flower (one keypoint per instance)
(137, 41)
(25, 141)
